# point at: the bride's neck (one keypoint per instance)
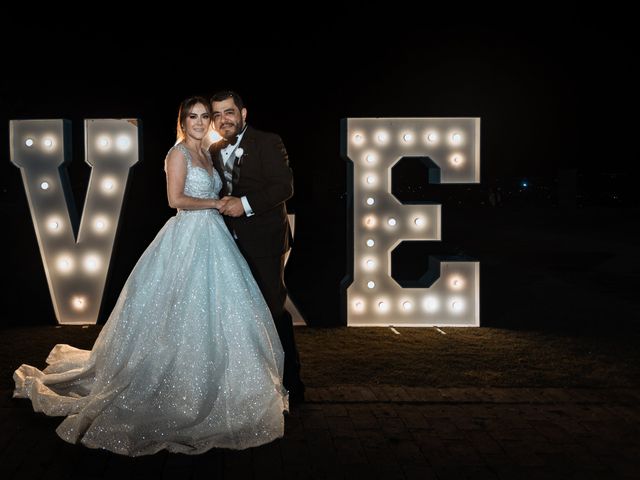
(195, 145)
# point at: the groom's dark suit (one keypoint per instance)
(262, 174)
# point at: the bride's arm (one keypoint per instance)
(176, 169)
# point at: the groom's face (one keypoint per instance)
(228, 120)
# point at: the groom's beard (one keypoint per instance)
(231, 135)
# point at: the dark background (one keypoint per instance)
(554, 92)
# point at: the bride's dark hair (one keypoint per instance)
(185, 108)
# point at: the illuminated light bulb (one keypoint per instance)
(48, 142)
(432, 137)
(456, 283)
(79, 303)
(430, 304)
(100, 225)
(108, 185)
(407, 137)
(370, 179)
(44, 185)
(371, 284)
(392, 222)
(358, 306)
(358, 139)
(91, 263)
(370, 201)
(54, 224)
(370, 263)
(457, 160)
(456, 138)
(382, 137)
(123, 142)
(29, 142)
(457, 305)
(419, 221)
(383, 306)
(370, 158)
(370, 242)
(370, 221)
(103, 142)
(214, 137)
(65, 264)
(407, 305)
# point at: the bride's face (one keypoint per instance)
(228, 120)
(197, 122)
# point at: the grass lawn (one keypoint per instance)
(464, 357)
(478, 357)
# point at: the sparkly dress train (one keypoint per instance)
(188, 360)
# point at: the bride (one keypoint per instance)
(189, 358)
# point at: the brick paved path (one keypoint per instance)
(371, 432)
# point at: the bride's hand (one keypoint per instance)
(218, 204)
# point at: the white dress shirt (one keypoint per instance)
(228, 159)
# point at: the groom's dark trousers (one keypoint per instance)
(268, 272)
(262, 175)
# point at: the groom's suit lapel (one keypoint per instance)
(246, 144)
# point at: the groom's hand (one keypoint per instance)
(232, 207)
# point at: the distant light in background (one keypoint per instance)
(212, 137)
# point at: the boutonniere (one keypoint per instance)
(239, 152)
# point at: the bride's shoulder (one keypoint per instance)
(178, 147)
(176, 155)
(178, 150)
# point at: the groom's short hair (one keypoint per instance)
(224, 94)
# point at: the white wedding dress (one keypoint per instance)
(188, 360)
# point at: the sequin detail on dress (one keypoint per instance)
(189, 358)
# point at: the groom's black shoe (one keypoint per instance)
(296, 396)
(296, 391)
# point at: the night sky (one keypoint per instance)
(553, 94)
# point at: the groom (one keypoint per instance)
(257, 180)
